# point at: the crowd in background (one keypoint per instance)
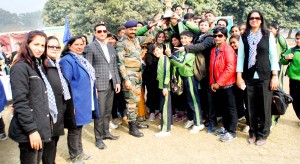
(177, 67)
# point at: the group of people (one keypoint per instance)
(190, 67)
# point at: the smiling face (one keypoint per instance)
(160, 38)
(219, 38)
(130, 32)
(158, 52)
(255, 20)
(77, 47)
(204, 27)
(101, 33)
(234, 43)
(185, 40)
(53, 49)
(37, 46)
(175, 42)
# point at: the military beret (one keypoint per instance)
(131, 23)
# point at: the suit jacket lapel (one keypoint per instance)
(97, 44)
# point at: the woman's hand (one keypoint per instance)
(168, 50)
(274, 83)
(35, 141)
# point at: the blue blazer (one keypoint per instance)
(79, 81)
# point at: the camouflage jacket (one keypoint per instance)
(129, 56)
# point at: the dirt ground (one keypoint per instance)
(180, 147)
(282, 146)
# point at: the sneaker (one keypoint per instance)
(211, 129)
(196, 129)
(260, 142)
(227, 137)
(188, 124)
(112, 125)
(162, 134)
(3, 136)
(84, 156)
(246, 129)
(76, 160)
(222, 131)
(180, 118)
(152, 117)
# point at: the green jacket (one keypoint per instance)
(293, 70)
(185, 25)
(185, 63)
(163, 72)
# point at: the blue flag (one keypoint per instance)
(67, 32)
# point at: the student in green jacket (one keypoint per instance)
(185, 64)
(292, 57)
(163, 77)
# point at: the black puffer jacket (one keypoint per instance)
(31, 111)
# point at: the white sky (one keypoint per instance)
(22, 6)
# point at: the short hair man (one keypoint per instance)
(103, 58)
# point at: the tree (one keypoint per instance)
(83, 15)
(9, 21)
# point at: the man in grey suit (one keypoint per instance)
(103, 58)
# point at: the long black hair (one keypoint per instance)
(276, 26)
(263, 25)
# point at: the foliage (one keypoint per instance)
(83, 15)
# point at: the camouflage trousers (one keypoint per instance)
(132, 97)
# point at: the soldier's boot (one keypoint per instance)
(142, 126)
(133, 130)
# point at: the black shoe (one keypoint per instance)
(3, 136)
(142, 126)
(100, 144)
(111, 137)
(133, 130)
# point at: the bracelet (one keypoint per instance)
(274, 75)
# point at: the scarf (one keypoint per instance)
(51, 98)
(253, 40)
(63, 81)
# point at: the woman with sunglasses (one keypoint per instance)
(257, 73)
(80, 76)
(61, 94)
(33, 99)
(222, 78)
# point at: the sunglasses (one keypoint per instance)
(54, 47)
(257, 18)
(219, 36)
(101, 31)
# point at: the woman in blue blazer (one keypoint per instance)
(80, 75)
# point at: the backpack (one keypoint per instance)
(280, 102)
(176, 82)
(199, 66)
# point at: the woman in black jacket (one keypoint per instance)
(34, 107)
(61, 93)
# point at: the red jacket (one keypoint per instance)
(222, 69)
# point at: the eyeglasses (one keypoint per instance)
(219, 36)
(257, 18)
(101, 31)
(54, 47)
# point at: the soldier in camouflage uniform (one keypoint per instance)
(130, 66)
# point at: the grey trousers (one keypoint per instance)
(74, 140)
(105, 100)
